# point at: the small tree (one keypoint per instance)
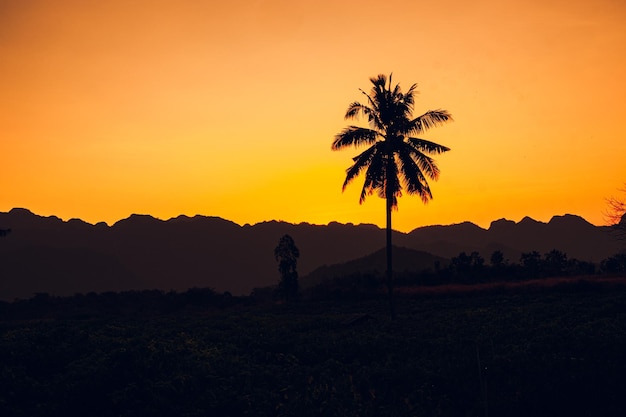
(467, 267)
(532, 263)
(497, 259)
(287, 254)
(555, 263)
(615, 264)
(615, 214)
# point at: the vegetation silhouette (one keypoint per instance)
(360, 279)
(527, 352)
(614, 265)
(287, 254)
(4, 232)
(47, 254)
(395, 159)
(615, 214)
(497, 259)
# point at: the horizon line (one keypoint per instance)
(289, 222)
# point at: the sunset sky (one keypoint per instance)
(229, 108)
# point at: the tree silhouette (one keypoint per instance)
(467, 268)
(532, 263)
(615, 214)
(287, 254)
(555, 263)
(395, 159)
(615, 264)
(4, 232)
(497, 259)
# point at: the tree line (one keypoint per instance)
(465, 268)
(470, 268)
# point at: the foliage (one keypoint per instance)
(615, 214)
(471, 269)
(615, 264)
(467, 267)
(287, 254)
(531, 261)
(110, 304)
(557, 352)
(497, 259)
(395, 159)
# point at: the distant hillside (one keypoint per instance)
(570, 234)
(46, 254)
(404, 260)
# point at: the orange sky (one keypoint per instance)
(228, 108)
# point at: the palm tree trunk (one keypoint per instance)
(392, 308)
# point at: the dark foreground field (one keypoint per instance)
(557, 351)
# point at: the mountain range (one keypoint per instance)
(47, 254)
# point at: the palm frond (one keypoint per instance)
(414, 180)
(425, 163)
(430, 119)
(354, 135)
(412, 91)
(374, 176)
(397, 92)
(423, 145)
(373, 112)
(370, 100)
(367, 188)
(379, 81)
(355, 109)
(368, 185)
(361, 161)
(428, 166)
(396, 159)
(390, 182)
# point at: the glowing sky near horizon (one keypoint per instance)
(229, 108)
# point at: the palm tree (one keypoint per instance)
(395, 159)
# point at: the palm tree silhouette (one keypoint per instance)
(395, 159)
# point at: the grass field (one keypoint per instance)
(527, 351)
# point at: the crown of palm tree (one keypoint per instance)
(395, 160)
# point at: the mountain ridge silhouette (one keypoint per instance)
(404, 259)
(47, 254)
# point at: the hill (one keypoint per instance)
(568, 233)
(47, 254)
(404, 260)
